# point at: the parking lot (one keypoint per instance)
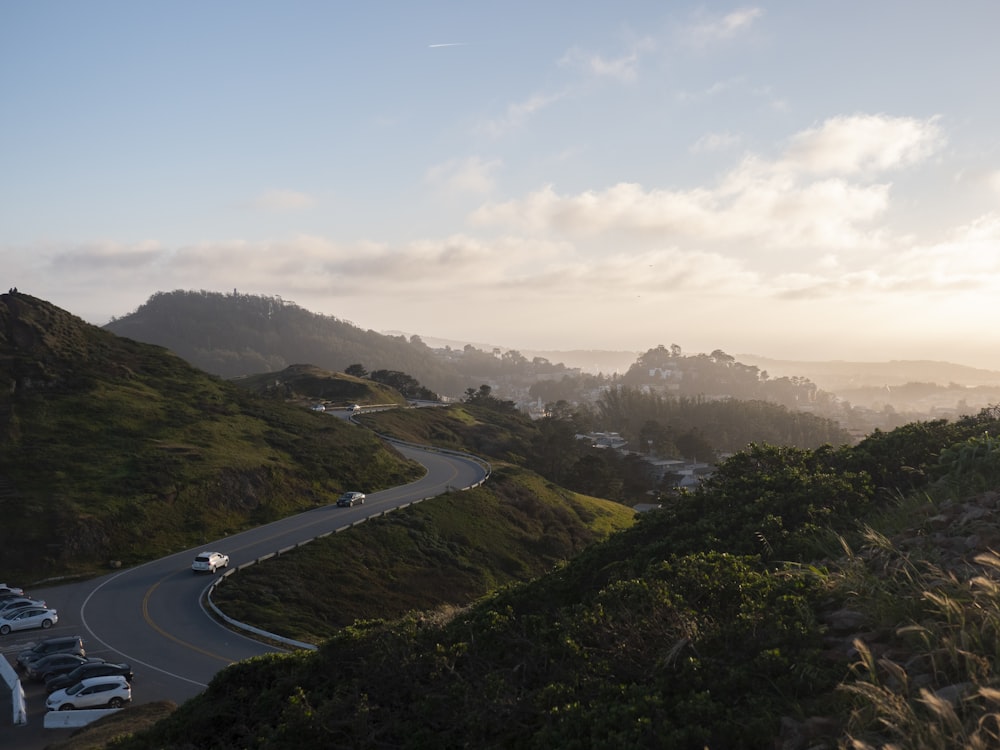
(33, 735)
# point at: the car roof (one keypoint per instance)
(60, 639)
(86, 666)
(88, 681)
(48, 658)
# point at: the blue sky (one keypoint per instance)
(799, 180)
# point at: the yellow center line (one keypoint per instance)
(149, 621)
(152, 589)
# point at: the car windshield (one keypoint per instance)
(75, 689)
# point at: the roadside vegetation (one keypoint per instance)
(835, 598)
(437, 555)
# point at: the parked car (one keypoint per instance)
(5, 589)
(88, 669)
(28, 618)
(209, 562)
(348, 499)
(19, 602)
(61, 644)
(93, 692)
(53, 665)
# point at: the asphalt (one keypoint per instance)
(33, 735)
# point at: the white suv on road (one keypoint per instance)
(209, 562)
(94, 692)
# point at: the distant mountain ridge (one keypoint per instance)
(594, 361)
(839, 375)
(233, 335)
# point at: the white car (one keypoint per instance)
(5, 589)
(209, 562)
(27, 618)
(12, 605)
(94, 692)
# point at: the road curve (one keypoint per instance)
(151, 615)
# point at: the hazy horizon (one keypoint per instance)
(806, 182)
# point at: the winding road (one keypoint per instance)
(152, 617)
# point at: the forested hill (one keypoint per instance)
(240, 334)
(111, 449)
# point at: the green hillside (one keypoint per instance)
(116, 451)
(242, 334)
(439, 554)
(308, 385)
(835, 598)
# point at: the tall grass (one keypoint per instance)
(932, 684)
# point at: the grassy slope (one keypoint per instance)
(485, 432)
(631, 645)
(308, 385)
(162, 455)
(446, 551)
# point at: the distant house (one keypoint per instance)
(666, 373)
(646, 507)
(687, 473)
(604, 440)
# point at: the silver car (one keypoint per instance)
(209, 562)
(28, 618)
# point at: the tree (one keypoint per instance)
(692, 444)
(357, 371)
(406, 384)
(484, 397)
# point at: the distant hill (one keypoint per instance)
(111, 449)
(232, 335)
(593, 361)
(838, 375)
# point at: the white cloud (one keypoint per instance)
(103, 257)
(715, 142)
(721, 27)
(470, 175)
(862, 143)
(799, 200)
(518, 113)
(823, 213)
(283, 201)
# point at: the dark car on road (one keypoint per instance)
(65, 644)
(348, 499)
(91, 669)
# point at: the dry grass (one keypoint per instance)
(124, 723)
(934, 685)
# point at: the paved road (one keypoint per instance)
(151, 616)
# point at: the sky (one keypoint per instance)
(796, 180)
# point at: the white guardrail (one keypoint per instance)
(19, 711)
(79, 718)
(232, 571)
(75, 719)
